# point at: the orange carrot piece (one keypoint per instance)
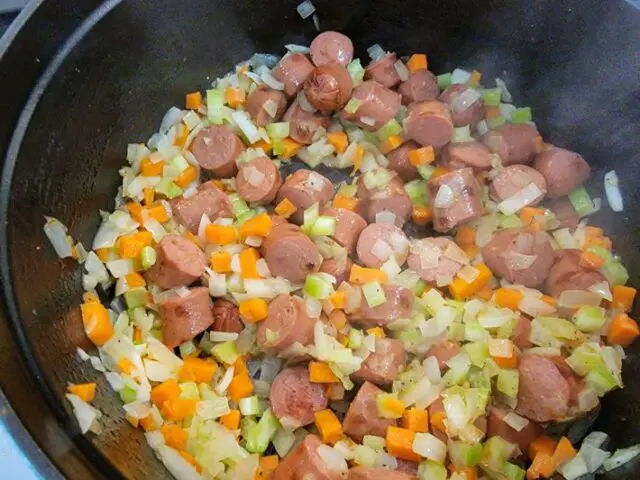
(468, 473)
(399, 443)
(474, 80)
(337, 300)
(253, 310)
(240, 367)
(130, 246)
(508, 298)
(178, 409)
(148, 423)
(542, 466)
(361, 275)
(149, 195)
(439, 171)
(604, 242)
(623, 297)
(345, 201)
(266, 467)
(157, 212)
(231, 420)
(258, 226)
(193, 100)
(221, 234)
(289, 148)
(377, 332)
(181, 135)
(623, 330)
(189, 458)
(235, 96)
(248, 260)
(542, 444)
(134, 280)
(328, 425)
(527, 214)
(421, 214)
(591, 260)
(591, 231)
(265, 146)
(221, 262)
(240, 387)
(539, 142)
(563, 453)
(391, 143)
(461, 290)
(187, 177)
(465, 236)
(321, 373)
(174, 436)
(417, 61)
(126, 366)
(437, 421)
(150, 169)
(97, 324)
(416, 420)
(507, 362)
(197, 370)
(421, 156)
(339, 140)
(285, 208)
(164, 392)
(86, 391)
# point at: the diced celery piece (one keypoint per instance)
(310, 216)
(249, 405)
(148, 257)
(456, 331)
(187, 348)
(474, 332)
(179, 163)
(417, 191)
(600, 380)
(352, 106)
(513, 472)
(495, 122)
(225, 352)
(615, 273)
(430, 470)
(426, 171)
(278, 130)
(261, 434)
(478, 352)
(317, 287)
(508, 382)
(278, 146)
(581, 201)
(463, 454)
(238, 205)
(136, 297)
(492, 97)
(479, 378)
(356, 71)
(375, 442)
(246, 426)
(168, 188)
(589, 318)
(506, 329)
(365, 456)
(355, 338)
(584, 359)
(444, 80)
(373, 294)
(559, 327)
(323, 226)
(392, 127)
(521, 115)
(128, 395)
(419, 287)
(189, 391)
(509, 221)
(215, 99)
(461, 135)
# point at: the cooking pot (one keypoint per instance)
(82, 78)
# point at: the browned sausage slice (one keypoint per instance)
(289, 253)
(179, 262)
(331, 47)
(294, 399)
(304, 463)
(378, 473)
(469, 154)
(563, 170)
(339, 269)
(287, 322)
(362, 417)
(226, 317)
(514, 142)
(421, 85)
(463, 112)
(185, 317)
(216, 149)
(378, 242)
(266, 105)
(521, 333)
(399, 302)
(565, 214)
(523, 438)
(349, 225)
(513, 179)
(444, 351)
(523, 258)
(378, 105)
(258, 181)
(543, 393)
(567, 274)
(391, 198)
(208, 200)
(462, 203)
(435, 258)
(303, 188)
(429, 123)
(329, 87)
(293, 70)
(382, 366)
(302, 124)
(399, 161)
(383, 71)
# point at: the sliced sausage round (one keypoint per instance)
(513, 142)
(208, 200)
(258, 181)
(287, 322)
(429, 123)
(523, 258)
(421, 85)
(226, 317)
(444, 351)
(185, 317)
(378, 105)
(329, 87)
(383, 71)
(362, 417)
(463, 204)
(339, 269)
(216, 149)
(399, 161)
(467, 108)
(303, 125)
(523, 438)
(294, 399)
(521, 333)
(349, 225)
(469, 154)
(565, 214)
(382, 366)
(378, 242)
(179, 262)
(391, 198)
(543, 393)
(331, 47)
(378, 473)
(398, 304)
(305, 463)
(563, 170)
(293, 70)
(266, 105)
(289, 253)
(303, 188)
(408, 467)
(513, 179)
(567, 274)
(435, 258)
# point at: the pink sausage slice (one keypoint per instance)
(444, 351)
(391, 198)
(289, 253)
(331, 47)
(303, 188)
(429, 123)
(302, 124)
(293, 70)
(185, 317)
(434, 258)
(465, 205)
(521, 333)
(513, 179)
(523, 258)
(523, 438)
(566, 215)
(543, 393)
(329, 87)
(514, 142)
(339, 269)
(399, 302)
(469, 154)
(349, 225)
(421, 85)
(378, 105)
(304, 463)
(399, 161)
(383, 71)
(266, 105)
(258, 181)
(462, 112)
(216, 149)
(380, 241)
(179, 262)
(226, 317)
(567, 274)
(208, 200)
(294, 399)
(563, 170)
(362, 417)
(287, 322)
(382, 366)
(378, 473)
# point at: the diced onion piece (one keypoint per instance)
(460, 76)
(593, 456)
(464, 100)
(445, 197)
(332, 458)
(84, 413)
(120, 268)
(375, 52)
(293, 48)
(612, 189)
(534, 306)
(524, 197)
(304, 103)
(374, 294)
(381, 250)
(368, 121)
(506, 95)
(518, 261)
(564, 238)
(246, 125)
(402, 70)
(221, 388)
(385, 216)
(577, 298)
(468, 273)
(574, 468)
(515, 421)
(306, 9)
(56, 232)
(271, 81)
(602, 289)
(429, 446)
(253, 176)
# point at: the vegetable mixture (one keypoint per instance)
(286, 327)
